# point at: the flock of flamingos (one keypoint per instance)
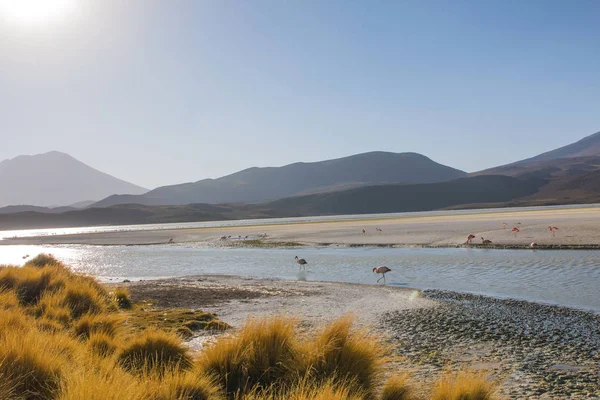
(514, 230)
(382, 269)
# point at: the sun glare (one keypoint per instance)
(33, 12)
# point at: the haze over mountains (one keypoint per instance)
(55, 179)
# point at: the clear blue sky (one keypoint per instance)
(160, 92)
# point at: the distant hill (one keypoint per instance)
(369, 199)
(255, 185)
(571, 174)
(20, 209)
(56, 179)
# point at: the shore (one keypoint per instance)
(577, 228)
(534, 351)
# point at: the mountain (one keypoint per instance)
(255, 185)
(20, 209)
(570, 174)
(574, 153)
(369, 199)
(55, 179)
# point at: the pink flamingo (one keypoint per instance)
(485, 242)
(378, 230)
(553, 229)
(301, 261)
(515, 230)
(381, 270)
(470, 238)
(533, 245)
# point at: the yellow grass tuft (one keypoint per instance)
(345, 355)
(30, 283)
(82, 298)
(43, 260)
(264, 353)
(109, 324)
(102, 344)
(463, 385)
(397, 388)
(187, 386)
(29, 366)
(307, 390)
(155, 351)
(122, 298)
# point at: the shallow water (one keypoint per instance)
(565, 277)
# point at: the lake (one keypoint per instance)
(564, 277)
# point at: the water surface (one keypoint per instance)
(565, 277)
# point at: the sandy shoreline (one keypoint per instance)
(578, 228)
(536, 351)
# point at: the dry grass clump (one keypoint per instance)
(306, 390)
(463, 385)
(102, 344)
(187, 386)
(346, 355)
(109, 324)
(43, 260)
(397, 388)
(264, 353)
(82, 298)
(30, 283)
(122, 298)
(154, 350)
(29, 366)
(172, 319)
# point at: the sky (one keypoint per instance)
(165, 92)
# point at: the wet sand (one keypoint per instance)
(534, 351)
(578, 228)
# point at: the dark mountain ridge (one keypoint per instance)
(256, 184)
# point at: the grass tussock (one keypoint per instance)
(463, 385)
(108, 324)
(397, 388)
(29, 366)
(83, 298)
(155, 351)
(43, 260)
(306, 390)
(187, 386)
(102, 344)
(263, 354)
(122, 298)
(346, 355)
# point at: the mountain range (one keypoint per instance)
(56, 179)
(256, 185)
(373, 182)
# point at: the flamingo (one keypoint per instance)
(381, 270)
(553, 229)
(470, 238)
(533, 245)
(378, 230)
(301, 261)
(171, 240)
(515, 230)
(485, 242)
(504, 225)
(223, 237)
(363, 231)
